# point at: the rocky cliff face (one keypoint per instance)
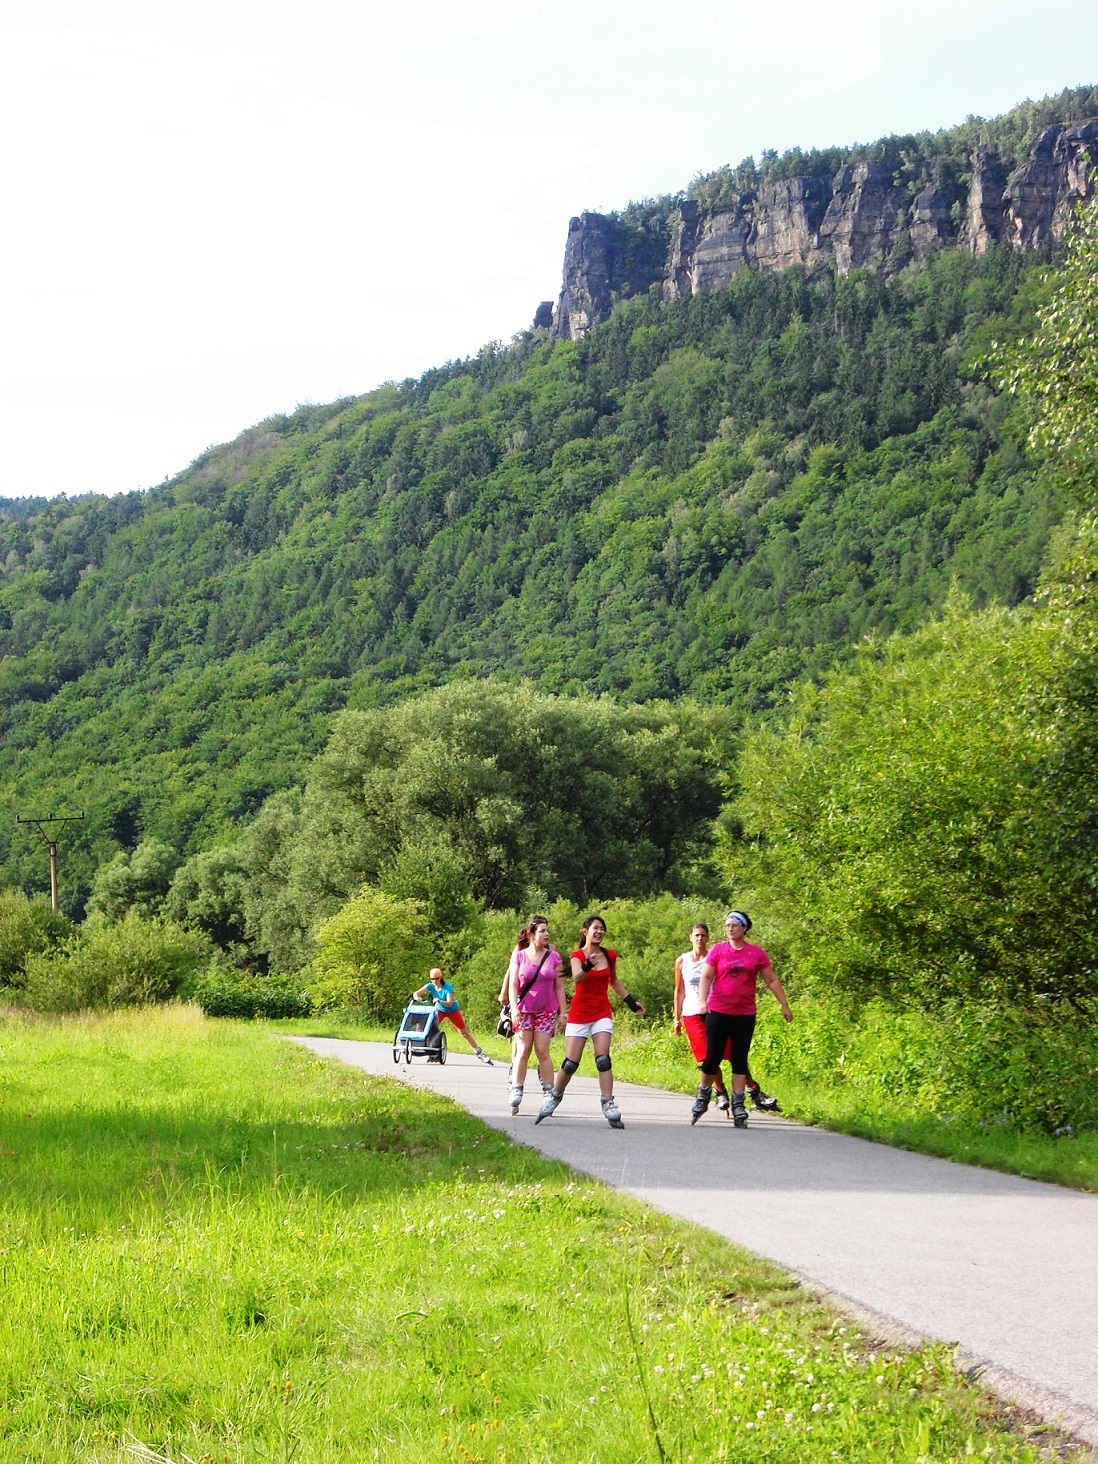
(604, 259)
(860, 219)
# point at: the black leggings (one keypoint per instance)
(720, 1029)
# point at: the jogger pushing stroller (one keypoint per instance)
(449, 1008)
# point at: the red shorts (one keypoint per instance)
(695, 1035)
(455, 1017)
(537, 1022)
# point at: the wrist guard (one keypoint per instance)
(631, 1001)
(587, 964)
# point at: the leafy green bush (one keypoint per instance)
(1032, 1068)
(913, 822)
(129, 963)
(26, 927)
(1056, 367)
(223, 991)
(476, 793)
(209, 893)
(370, 955)
(134, 881)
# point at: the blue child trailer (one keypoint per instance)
(420, 1034)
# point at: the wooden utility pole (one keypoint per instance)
(51, 843)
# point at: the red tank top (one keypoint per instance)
(591, 1000)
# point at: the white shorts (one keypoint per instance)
(588, 1029)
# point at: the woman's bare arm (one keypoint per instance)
(680, 992)
(705, 986)
(616, 985)
(769, 976)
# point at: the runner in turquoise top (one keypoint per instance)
(443, 997)
(448, 1008)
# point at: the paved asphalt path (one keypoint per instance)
(1004, 1267)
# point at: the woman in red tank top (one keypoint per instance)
(594, 970)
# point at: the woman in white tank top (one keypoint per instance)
(689, 1012)
(688, 969)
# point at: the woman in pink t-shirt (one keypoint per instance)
(726, 993)
(535, 992)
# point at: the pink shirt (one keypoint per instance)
(542, 995)
(733, 989)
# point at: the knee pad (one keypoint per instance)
(568, 1067)
(603, 1063)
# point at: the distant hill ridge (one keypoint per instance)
(879, 208)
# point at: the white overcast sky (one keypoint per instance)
(217, 209)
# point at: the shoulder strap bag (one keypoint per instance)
(524, 990)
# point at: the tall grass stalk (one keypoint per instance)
(638, 1363)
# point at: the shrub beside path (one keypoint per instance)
(915, 1247)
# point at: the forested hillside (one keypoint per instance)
(710, 497)
(707, 497)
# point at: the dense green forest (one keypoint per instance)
(708, 498)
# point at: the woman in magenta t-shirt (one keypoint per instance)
(726, 993)
(535, 992)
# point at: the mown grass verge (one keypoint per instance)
(649, 1053)
(218, 1247)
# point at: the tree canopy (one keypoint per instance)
(487, 794)
(1056, 367)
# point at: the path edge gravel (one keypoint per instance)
(1076, 1423)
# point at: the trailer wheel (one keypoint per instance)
(442, 1047)
(396, 1046)
(407, 1052)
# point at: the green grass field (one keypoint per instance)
(650, 1054)
(216, 1247)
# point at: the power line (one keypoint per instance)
(51, 842)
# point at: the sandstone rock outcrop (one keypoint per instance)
(983, 222)
(931, 219)
(1040, 195)
(678, 277)
(604, 258)
(788, 215)
(862, 218)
